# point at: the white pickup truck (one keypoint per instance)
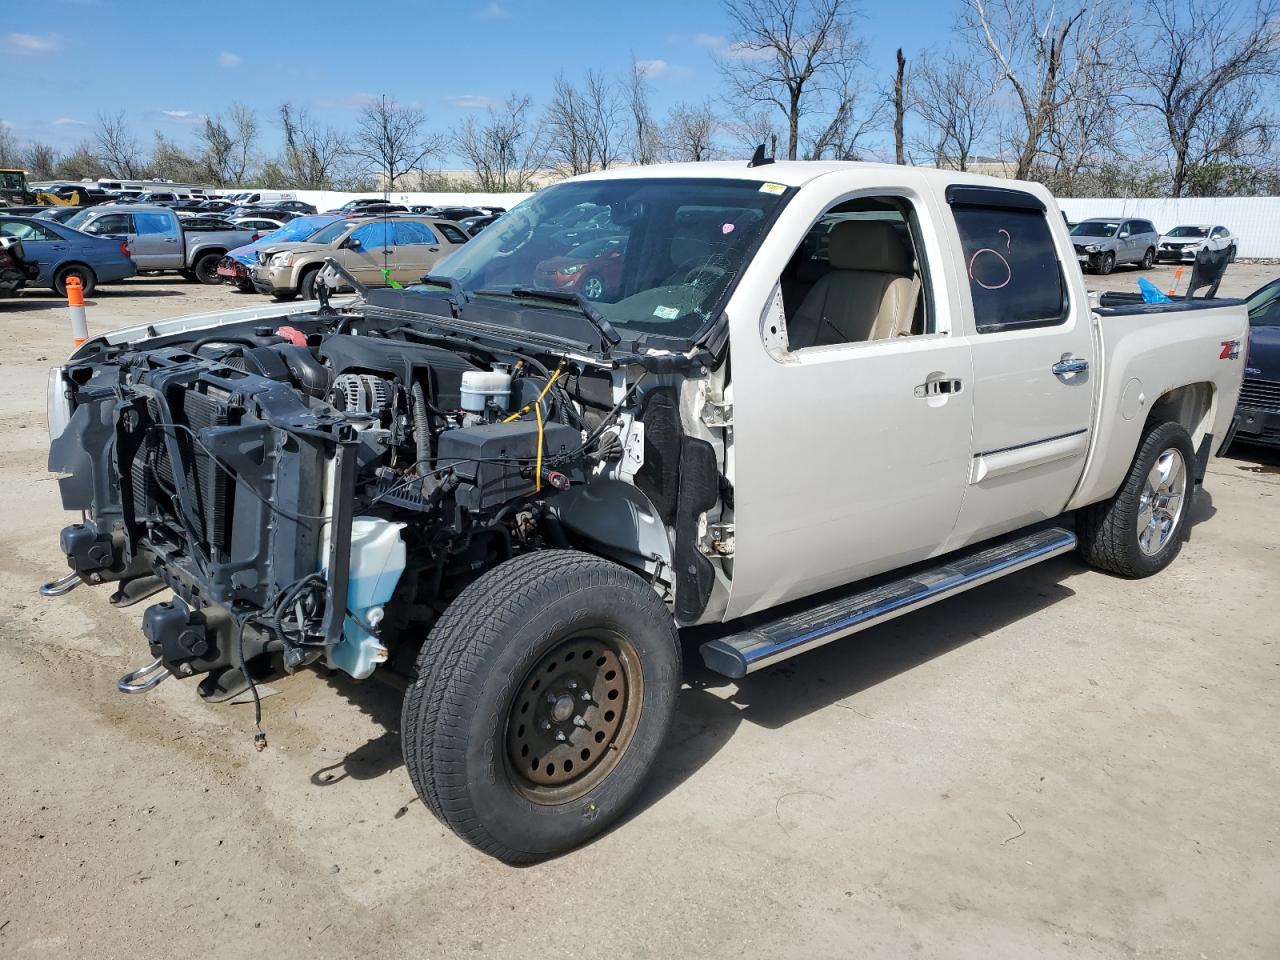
(801, 398)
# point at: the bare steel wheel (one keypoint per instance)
(542, 699)
(1160, 506)
(574, 717)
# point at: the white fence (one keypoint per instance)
(1254, 220)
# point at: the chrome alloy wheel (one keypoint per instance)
(1163, 497)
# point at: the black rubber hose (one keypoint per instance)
(421, 428)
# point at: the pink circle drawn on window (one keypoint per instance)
(1008, 270)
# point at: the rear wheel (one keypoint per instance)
(542, 699)
(88, 279)
(1139, 531)
(206, 268)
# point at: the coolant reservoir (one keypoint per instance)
(377, 560)
(480, 386)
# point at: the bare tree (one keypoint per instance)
(117, 149)
(584, 125)
(751, 129)
(795, 55)
(229, 145)
(392, 139)
(506, 149)
(953, 99)
(1038, 51)
(689, 133)
(643, 135)
(80, 164)
(850, 123)
(10, 151)
(39, 159)
(170, 162)
(313, 155)
(900, 110)
(1203, 77)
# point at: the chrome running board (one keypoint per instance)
(758, 646)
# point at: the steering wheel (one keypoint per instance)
(510, 245)
(708, 270)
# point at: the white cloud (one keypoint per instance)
(653, 68)
(350, 101)
(32, 44)
(470, 101)
(712, 41)
(183, 116)
(67, 122)
(493, 11)
(229, 60)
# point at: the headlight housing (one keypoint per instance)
(571, 269)
(282, 260)
(1092, 248)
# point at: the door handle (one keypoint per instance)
(1069, 365)
(938, 388)
(433, 249)
(170, 239)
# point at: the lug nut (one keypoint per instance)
(546, 724)
(560, 736)
(586, 696)
(579, 722)
(573, 684)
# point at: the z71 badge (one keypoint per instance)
(1230, 350)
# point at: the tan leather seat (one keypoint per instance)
(869, 293)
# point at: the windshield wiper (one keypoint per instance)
(573, 298)
(459, 298)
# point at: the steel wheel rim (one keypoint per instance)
(593, 288)
(573, 717)
(1161, 503)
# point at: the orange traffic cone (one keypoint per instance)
(1177, 276)
(75, 303)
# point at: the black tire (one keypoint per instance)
(1231, 254)
(206, 268)
(88, 279)
(458, 728)
(307, 283)
(284, 296)
(1107, 263)
(1109, 531)
(1148, 259)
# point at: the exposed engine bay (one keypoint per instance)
(318, 487)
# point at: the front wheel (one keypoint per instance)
(1231, 254)
(1139, 531)
(1107, 264)
(542, 699)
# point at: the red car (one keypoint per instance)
(594, 268)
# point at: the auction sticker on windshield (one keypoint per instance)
(777, 189)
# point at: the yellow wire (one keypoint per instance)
(537, 470)
(527, 407)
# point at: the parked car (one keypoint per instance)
(351, 206)
(215, 206)
(203, 221)
(293, 206)
(1258, 413)
(1181, 244)
(158, 241)
(474, 225)
(260, 226)
(16, 271)
(1103, 242)
(407, 246)
(593, 269)
(62, 253)
(532, 497)
(234, 267)
(370, 207)
(58, 214)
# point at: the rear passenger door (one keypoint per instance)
(157, 241)
(417, 250)
(1033, 362)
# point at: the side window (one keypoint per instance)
(112, 223)
(858, 275)
(414, 234)
(1013, 270)
(26, 231)
(452, 233)
(153, 223)
(373, 236)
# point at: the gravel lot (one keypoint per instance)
(1061, 764)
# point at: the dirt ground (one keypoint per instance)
(1061, 764)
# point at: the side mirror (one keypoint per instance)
(1124, 234)
(352, 244)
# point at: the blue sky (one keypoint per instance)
(168, 64)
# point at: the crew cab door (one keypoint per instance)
(1034, 363)
(157, 241)
(850, 439)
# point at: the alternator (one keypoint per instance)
(361, 393)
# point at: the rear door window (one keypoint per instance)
(452, 233)
(1012, 267)
(153, 223)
